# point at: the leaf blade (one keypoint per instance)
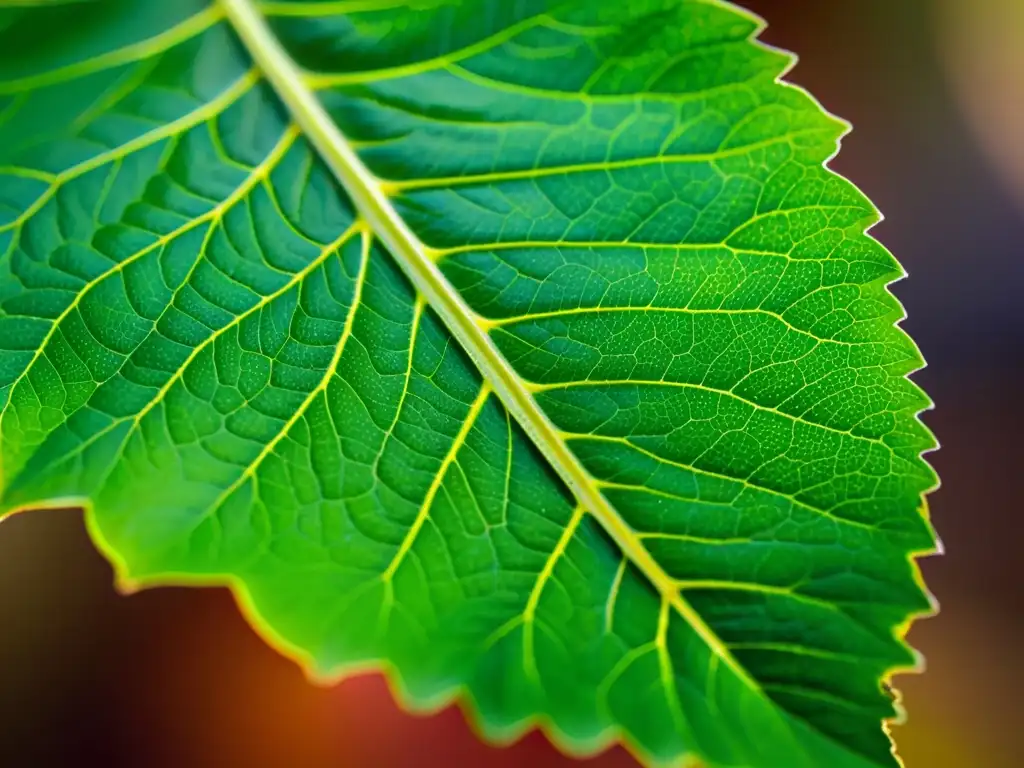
(447, 262)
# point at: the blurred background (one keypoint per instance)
(935, 89)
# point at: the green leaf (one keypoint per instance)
(527, 349)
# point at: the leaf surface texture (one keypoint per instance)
(527, 348)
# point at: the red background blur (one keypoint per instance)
(935, 88)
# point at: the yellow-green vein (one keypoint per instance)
(211, 216)
(211, 109)
(424, 511)
(332, 367)
(179, 33)
(530, 611)
(392, 187)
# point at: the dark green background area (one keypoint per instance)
(174, 677)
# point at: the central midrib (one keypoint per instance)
(412, 256)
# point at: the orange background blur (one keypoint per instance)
(935, 88)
